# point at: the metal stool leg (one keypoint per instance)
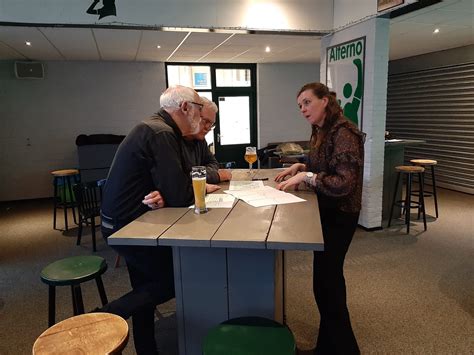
(100, 287)
(394, 199)
(55, 183)
(51, 305)
(408, 202)
(72, 198)
(434, 190)
(422, 198)
(64, 201)
(77, 299)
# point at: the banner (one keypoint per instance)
(345, 64)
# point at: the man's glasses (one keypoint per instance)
(198, 104)
(208, 123)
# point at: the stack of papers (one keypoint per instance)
(258, 195)
(218, 201)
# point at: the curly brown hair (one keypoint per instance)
(333, 110)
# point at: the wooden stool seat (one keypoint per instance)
(249, 336)
(431, 163)
(409, 169)
(423, 162)
(65, 172)
(72, 272)
(92, 333)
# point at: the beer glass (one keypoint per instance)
(250, 157)
(198, 175)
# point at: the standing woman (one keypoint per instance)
(334, 171)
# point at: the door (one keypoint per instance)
(236, 126)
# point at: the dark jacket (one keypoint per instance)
(339, 163)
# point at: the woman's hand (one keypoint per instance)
(154, 200)
(292, 170)
(295, 181)
(211, 188)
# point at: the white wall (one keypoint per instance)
(346, 12)
(74, 98)
(280, 14)
(374, 108)
(279, 117)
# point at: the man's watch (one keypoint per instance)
(308, 177)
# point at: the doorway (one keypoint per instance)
(233, 88)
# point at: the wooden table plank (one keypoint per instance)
(194, 230)
(146, 229)
(297, 226)
(245, 227)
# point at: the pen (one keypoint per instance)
(259, 179)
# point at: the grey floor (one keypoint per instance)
(406, 293)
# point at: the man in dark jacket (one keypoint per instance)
(150, 158)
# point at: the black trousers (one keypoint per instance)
(151, 276)
(329, 287)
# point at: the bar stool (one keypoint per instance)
(66, 200)
(407, 203)
(91, 333)
(425, 163)
(249, 336)
(72, 272)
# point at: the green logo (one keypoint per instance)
(345, 76)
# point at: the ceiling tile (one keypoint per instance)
(73, 43)
(118, 45)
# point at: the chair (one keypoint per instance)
(407, 203)
(92, 333)
(249, 336)
(63, 196)
(88, 196)
(425, 163)
(73, 271)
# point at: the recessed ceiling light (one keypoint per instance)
(436, 30)
(28, 43)
(267, 49)
(158, 46)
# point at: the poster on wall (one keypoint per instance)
(345, 66)
(387, 4)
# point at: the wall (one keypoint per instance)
(438, 59)
(279, 117)
(40, 119)
(376, 32)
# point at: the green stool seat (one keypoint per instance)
(72, 272)
(249, 336)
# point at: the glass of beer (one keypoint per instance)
(198, 175)
(250, 157)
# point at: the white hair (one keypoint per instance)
(175, 95)
(206, 102)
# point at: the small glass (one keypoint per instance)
(198, 175)
(250, 157)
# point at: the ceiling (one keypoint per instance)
(410, 34)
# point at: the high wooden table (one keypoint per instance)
(227, 262)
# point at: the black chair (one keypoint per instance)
(88, 197)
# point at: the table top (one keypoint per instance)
(294, 226)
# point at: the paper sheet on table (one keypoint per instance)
(236, 185)
(264, 196)
(219, 201)
(393, 140)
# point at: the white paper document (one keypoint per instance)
(264, 196)
(236, 185)
(219, 201)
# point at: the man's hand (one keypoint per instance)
(224, 175)
(154, 200)
(211, 188)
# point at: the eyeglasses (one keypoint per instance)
(208, 123)
(198, 104)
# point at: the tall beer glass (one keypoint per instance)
(198, 175)
(250, 156)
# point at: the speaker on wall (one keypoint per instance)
(29, 70)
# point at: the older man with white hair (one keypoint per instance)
(150, 158)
